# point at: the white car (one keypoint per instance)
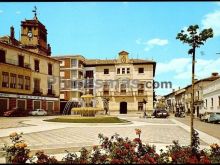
(205, 116)
(38, 112)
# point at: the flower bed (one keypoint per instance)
(119, 150)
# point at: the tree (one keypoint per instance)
(194, 39)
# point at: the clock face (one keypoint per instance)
(30, 35)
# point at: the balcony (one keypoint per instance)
(119, 93)
(14, 62)
(37, 92)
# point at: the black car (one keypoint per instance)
(160, 113)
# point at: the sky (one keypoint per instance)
(147, 30)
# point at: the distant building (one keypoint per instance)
(211, 97)
(108, 79)
(180, 100)
(29, 77)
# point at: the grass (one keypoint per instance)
(73, 119)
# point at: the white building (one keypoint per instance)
(211, 97)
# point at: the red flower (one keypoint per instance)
(137, 140)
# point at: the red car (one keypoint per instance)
(15, 112)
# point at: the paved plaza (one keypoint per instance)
(54, 138)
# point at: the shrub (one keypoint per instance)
(119, 150)
(17, 152)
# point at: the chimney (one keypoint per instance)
(12, 32)
(215, 74)
(173, 90)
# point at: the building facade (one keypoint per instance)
(183, 96)
(211, 97)
(126, 83)
(29, 77)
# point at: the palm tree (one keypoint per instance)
(194, 39)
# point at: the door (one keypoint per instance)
(21, 104)
(123, 108)
(50, 107)
(37, 105)
(3, 106)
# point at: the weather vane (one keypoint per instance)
(35, 11)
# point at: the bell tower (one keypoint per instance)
(34, 36)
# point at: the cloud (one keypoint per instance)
(152, 43)
(177, 65)
(138, 41)
(1, 11)
(181, 68)
(212, 20)
(157, 41)
(17, 12)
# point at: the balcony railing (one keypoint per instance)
(119, 93)
(14, 62)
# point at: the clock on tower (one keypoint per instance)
(34, 36)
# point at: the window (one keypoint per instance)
(20, 82)
(50, 70)
(140, 106)
(61, 96)
(2, 56)
(140, 70)
(123, 70)
(21, 61)
(27, 83)
(74, 62)
(128, 70)
(36, 66)
(106, 71)
(62, 85)
(123, 88)
(106, 89)
(62, 74)
(212, 102)
(36, 85)
(140, 89)
(12, 80)
(74, 73)
(74, 84)
(118, 70)
(5, 79)
(62, 63)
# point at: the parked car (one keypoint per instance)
(160, 113)
(38, 112)
(214, 117)
(16, 112)
(205, 116)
